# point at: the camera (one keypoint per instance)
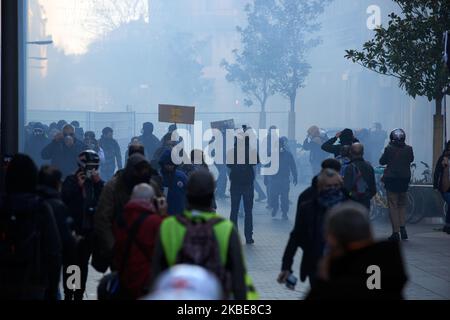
(291, 282)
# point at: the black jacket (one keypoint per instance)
(81, 208)
(34, 146)
(63, 221)
(112, 154)
(242, 174)
(316, 153)
(398, 159)
(286, 168)
(333, 148)
(33, 215)
(62, 157)
(151, 143)
(348, 275)
(308, 235)
(438, 170)
(368, 175)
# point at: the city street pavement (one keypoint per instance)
(427, 256)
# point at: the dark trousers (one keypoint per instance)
(81, 259)
(245, 192)
(280, 193)
(259, 190)
(107, 173)
(221, 183)
(446, 197)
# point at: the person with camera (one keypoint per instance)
(63, 151)
(397, 158)
(81, 192)
(36, 142)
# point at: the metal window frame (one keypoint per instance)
(13, 75)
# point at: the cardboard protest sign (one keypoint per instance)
(176, 114)
(223, 125)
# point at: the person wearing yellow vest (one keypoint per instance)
(178, 241)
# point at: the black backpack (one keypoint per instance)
(20, 252)
(200, 247)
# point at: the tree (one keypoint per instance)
(109, 15)
(254, 69)
(275, 43)
(410, 49)
(297, 21)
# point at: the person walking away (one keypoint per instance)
(174, 183)
(30, 245)
(359, 177)
(308, 231)
(313, 143)
(81, 193)
(49, 188)
(135, 242)
(242, 178)
(351, 250)
(113, 155)
(345, 137)
(149, 140)
(63, 151)
(202, 237)
(398, 157)
(281, 181)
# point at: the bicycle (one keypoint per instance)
(379, 204)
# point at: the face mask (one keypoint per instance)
(330, 197)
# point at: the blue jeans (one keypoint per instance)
(446, 197)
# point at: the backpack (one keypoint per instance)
(360, 187)
(110, 286)
(201, 247)
(20, 252)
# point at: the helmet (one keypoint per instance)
(398, 135)
(187, 282)
(89, 160)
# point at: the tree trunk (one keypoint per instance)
(292, 118)
(262, 116)
(438, 131)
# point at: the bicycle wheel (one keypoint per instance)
(413, 213)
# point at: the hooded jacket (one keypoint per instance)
(348, 275)
(136, 273)
(175, 183)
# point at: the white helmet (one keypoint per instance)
(186, 282)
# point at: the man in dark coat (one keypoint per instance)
(308, 233)
(359, 177)
(397, 158)
(63, 151)
(149, 140)
(112, 153)
(356, 267)
(81, 193)
(345, 137)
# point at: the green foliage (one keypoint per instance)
(410, 48)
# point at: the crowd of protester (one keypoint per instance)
(151, 221)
